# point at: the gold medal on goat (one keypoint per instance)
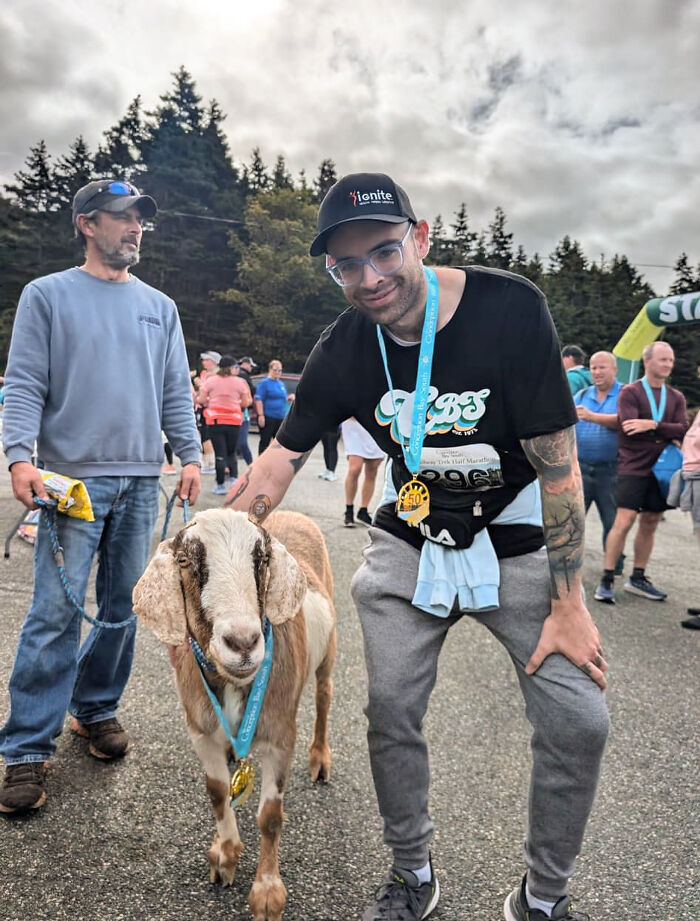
(242, 783)
(413, 502)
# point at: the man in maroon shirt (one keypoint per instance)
(651, 415)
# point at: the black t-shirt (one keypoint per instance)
(497, 377)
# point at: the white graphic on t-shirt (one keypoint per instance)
(447, 412)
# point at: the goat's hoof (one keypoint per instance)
(320, 763)
(267, 900)
(223, 860)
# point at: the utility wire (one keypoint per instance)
(199, 217)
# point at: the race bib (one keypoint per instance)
(470, 467)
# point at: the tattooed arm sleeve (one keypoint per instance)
(268, 477)
(563, 514)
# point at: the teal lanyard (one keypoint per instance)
(412, 453)
(246, 731)
(657, 412)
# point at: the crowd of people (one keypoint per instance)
(482, 519)
(622, 435)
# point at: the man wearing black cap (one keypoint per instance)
(98, 421)
(437, 364)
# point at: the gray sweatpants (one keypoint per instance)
(566, 709)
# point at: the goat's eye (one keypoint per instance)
(183, 560)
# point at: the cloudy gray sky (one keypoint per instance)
(578, 118)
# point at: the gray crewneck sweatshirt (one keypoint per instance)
(96, 370)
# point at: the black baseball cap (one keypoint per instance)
(112, 195)
(361, 197)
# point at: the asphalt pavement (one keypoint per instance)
(128, 841)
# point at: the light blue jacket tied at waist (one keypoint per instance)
(470, 577)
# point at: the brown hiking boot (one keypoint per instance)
(23, 787)
(108, 739)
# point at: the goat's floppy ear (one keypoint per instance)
(157, 597)
(286, 586)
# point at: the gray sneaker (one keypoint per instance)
(401, 897)
(516, 908)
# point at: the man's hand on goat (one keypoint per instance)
(188, 485)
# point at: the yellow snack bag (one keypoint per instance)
(71, 495)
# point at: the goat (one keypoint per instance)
(216, 581)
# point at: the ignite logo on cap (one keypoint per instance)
(371, 198)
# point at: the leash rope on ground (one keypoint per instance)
(48, 515)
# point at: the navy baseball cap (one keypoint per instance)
(361, 197)
(112, 195)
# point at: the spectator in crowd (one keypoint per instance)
(329, 441)
(210, 365)
(573, 358)
(596, 440)
(651, 415)
(363, 453)
(271, 402)
(246, 366)
(421, 358)
(82, 423)
(687, 494)
(223, 396)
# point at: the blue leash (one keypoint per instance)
(169, 511)
(48, 514)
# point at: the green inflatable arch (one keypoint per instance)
(650, 322)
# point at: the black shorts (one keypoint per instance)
(639, 493)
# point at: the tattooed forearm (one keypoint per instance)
(240, 488)
(563, 514)
(298, 462)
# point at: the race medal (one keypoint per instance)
(242, 783)
(413, 502)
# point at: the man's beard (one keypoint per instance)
(119, 257)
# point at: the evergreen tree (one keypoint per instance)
(72, 172)
(257, 174)
(500, 245)
(479, 254)
(281, 177)
(520, 262)
(34, 188)
(461, 246)
(440, 248)
(120, 156)
(327, 177)
(283, 298)
(685, 282)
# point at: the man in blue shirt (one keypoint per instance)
(596, 439)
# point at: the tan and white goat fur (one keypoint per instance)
(216, 580)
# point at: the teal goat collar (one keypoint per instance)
(246, 731)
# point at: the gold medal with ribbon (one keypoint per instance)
(413, 502)
(242, 783)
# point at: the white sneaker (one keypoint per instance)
(208, 470)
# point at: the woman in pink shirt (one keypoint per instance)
(224, 396)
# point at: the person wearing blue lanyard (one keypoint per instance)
(596, 440)
(652, 415)
(437, 365)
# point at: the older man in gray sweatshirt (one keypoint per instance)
(98, 420)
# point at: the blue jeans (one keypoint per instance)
(599, 482)
(52, 673)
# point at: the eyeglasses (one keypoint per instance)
(386, 259)
(114, 188)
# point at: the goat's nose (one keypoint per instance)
(241, 642)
